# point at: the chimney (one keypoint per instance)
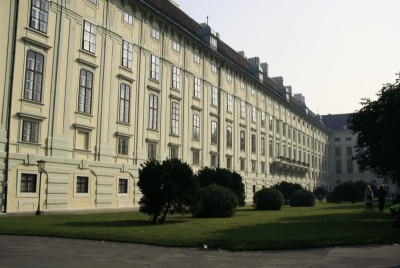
(300, 98)
(241, 53)
(264, 66)
(254, 60)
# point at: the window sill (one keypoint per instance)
(32, 144)
(32, 101)
(196, 98)
(124, 123)
(174, 135)
(153, 130)
(154, 80)
(88, 53)
(37, 32)
(82, 150)
(126, 68)
(85, 114)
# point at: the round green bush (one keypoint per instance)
(214, 201)
(302, 198)
(268, 199)
(331, 198)
(348, 192)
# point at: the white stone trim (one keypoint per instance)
(128, 186)
(27, 171)
(76, 175)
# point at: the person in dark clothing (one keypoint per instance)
(381, 197)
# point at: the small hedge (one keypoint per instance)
(302, 198)
(268, 199)
(214, 201)
(331, 198)
(348, 192)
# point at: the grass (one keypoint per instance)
(324, 225)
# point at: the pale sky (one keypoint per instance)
(333, 52)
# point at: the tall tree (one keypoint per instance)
(377, 125)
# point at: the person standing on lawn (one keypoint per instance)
(381, 197)
(369, 195)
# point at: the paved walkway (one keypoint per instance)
(23, 251)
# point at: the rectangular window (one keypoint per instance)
(229, 162)
(284, 130)
(278, 150)
(338, 151)
(337, 139)
(213, 68)
(229, 77)
(271, 122)
(152, 150)
(253, 144)
(271, 149)
(30, 131)
(94, 2)
(241, 85)
(229, 136)
(155, 34)
(123, 146)
(213, 160)
(28, 183)
(85, 92)
(242, 109)
(196, 58)
(277, 126)
(34, 76)
(128, 18)
(174, 152)
(196, 157)
(242, 141)
(39, 15)
(124, 103)
(214, 133)
(253, 91)
(229, 103)
(127, 49)
(284, 150)
(262, 167)
(122, 186)
(242, 164)
(263, 119)
(82, 185)
(349, 151)
(338, 166)
(253, 114)
(197, 87)
(253, 166)
(155, 67)
(176, 46)
(176, 77)
(153, 111)
(196, 127)
(348, 138)
(175, 118)
(262, 146)
(214, 100)
(89, 37)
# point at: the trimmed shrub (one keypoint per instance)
(320, 192)
(331, 198)
(214, 201)
(302, 198)
(287, 189)
(348, 192)
(268, 199)
(223, 177)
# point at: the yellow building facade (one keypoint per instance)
(96, 87)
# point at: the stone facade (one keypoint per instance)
(95, 87)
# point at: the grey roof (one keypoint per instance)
(336, 121)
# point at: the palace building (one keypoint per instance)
(96, 87)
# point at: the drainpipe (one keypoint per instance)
(9, 105)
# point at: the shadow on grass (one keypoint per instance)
(116, 224)
(310, 231)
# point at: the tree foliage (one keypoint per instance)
(302, 198)
(362, 185)
(287, 189)
(214, 201)
(268, 199)
(377, 125)
(223, 177)
(166, 188)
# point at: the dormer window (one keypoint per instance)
(213, 42)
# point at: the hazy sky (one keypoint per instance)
(333, 52)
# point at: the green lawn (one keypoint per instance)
(324, 225)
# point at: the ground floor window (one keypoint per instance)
(122, 186)
(82, 185)
(28, 183)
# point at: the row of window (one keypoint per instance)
(29, 184)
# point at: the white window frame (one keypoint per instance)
(242, 109)
(197, 87)
(229, 77)
(175, 116)
(176, 77)
(242, 85)
(155, 68)
(253, 91)
(214, 100)
(30, 172)
(176, 46)
(76, 175)
(128, 18)
(155, 34)
(196, 58)
(198, 152)
(127, 186)
(229, 103)
(253, 114)
(213, 68)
